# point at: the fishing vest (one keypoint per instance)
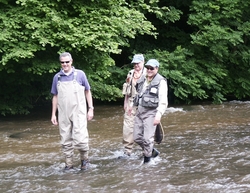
(148, 98)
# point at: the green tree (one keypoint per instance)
(34, 32)
(203, 46)
(221, 39)
(205, 54)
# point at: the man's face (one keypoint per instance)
(66, 63)
(138, 66)
(151, 71)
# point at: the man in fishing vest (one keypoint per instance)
(71, 89)
(129, 93)
(152, 102)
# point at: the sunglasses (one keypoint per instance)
(149, 67)
(66, 62)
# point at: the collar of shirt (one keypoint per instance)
(62, 73)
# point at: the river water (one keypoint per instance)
(206, 148)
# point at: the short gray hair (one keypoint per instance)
(64, 54)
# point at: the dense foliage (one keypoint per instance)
(203, 46)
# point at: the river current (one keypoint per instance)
(206, 148)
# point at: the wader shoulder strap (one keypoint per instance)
(59, 78)
(75, 73)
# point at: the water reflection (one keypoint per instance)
(206, 149)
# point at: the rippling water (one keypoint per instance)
(206, 149)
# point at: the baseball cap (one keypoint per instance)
(137, 58)
(153, 63)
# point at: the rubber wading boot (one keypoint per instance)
(84, 164)
(124, 156)
(146, 159)
(155, 153)
(68, 168)
(68, 163)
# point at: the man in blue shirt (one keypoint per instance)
(71, 90)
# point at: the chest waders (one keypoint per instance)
(72, 118)
(147, 101)
(128, 119)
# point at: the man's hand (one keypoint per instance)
(90, 114)
(157, 119)
(54, 120)
(130, 111)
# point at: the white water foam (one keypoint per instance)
(173, 110)
(239, 102)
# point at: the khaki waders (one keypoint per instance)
(72, 117)
(128, 128)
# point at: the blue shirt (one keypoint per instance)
(80, 78)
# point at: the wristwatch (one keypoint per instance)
(91, 107)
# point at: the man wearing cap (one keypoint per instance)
(129, 92)
(152, 101)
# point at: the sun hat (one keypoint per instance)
(153, 63)
(137, 58)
